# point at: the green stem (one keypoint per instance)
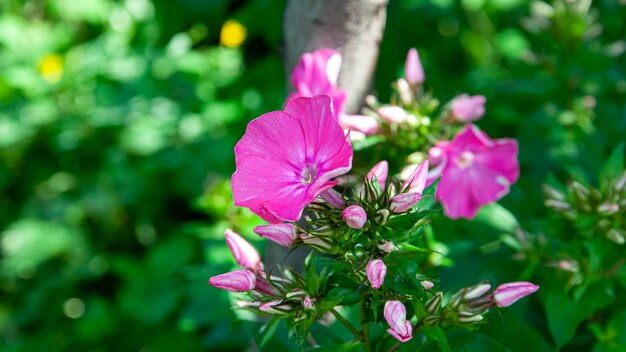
(394, 347)
(347, 324)
(365, 327)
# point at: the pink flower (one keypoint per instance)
(283, 234)
(507, 294)
(379, 172)
(287, 158)
(476, 170)
(467, 108)
(413, 71)
(376, 271)
(416, 182)
(245, 255)
(236, 281)
(399, 327)
(317, 73)
(403, 202)
(354, 216)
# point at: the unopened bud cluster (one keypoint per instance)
(605, 205)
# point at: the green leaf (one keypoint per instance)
(614, 166)
(439, 337)
(469, 341)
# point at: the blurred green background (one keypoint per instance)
(118, 121)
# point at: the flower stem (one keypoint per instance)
(364, 327)
(347, 324)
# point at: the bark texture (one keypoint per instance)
(355, 29)
(352, 27)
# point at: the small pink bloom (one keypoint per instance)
(287, 158)
(283, 234)
(403, 202)
(317, 73)
(387, 246)
(467, 108)
(507, 294)
(395, 314)
(307, 303)
(376, 271)
(245, 255)
(413, 70)
(476, 170)
(365, 124)
(354, 216)
(236, 281)
(392, 114)
(416, 182)
(379, 172)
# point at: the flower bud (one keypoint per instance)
(307, 303)
(416, 182)
(475, 292)
(245, 255)
(275, 307)
(403, 202)
(467, 108)
(427, 285)
(264, 287)
(432, 305)
(283, 234)
(333, 198)
(365, 124)
(620, 182)
(354, 216)
(552, 193)
(616, 236)
(376, 271)
(465, 317)
(507, 294)
(413, 70)
(379, 172)
(392, 114)
(399, 327)
(381, 216)
(404, 90)
(387, 246)
(295, 294)
(608, 208)
(235, 281)
(323, 245)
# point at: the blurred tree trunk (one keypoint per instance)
(352, 27)
(355, 29)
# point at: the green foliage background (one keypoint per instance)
(114, 178)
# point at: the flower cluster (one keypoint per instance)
(293, 171)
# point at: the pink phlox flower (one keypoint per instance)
(413, 70)
(288, 158)
(317, 73)
(475, 170)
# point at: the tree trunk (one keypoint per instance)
(352, 27)
(355, 29)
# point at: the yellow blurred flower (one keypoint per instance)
(233, 34)
(51, 68)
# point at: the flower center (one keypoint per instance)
(308, 175)
(465, 160)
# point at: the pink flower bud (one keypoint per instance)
(245, 255)
(354, 216)
(399, 327)
(387, 246)
(262, 286)
(275, 307)
(236, 281)
(416, 182)
(307, 303)
(365, 124)
(427, 285)
(333, 198)
(283, 234)
(392, 114)
(403, 202)
(376, 271)
(379, 172)
(507, 294)
(413, 71)
(467, 108)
